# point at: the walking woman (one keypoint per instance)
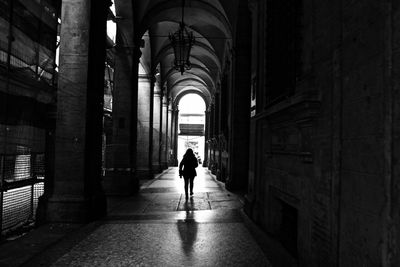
(187, 169)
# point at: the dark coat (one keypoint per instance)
(189, 164)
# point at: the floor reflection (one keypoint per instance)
(188, 228)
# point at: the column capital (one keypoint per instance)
(165, 101)
(158, 93)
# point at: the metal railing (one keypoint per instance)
(23, 61)
(23, 184)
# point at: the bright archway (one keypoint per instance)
(191, 125)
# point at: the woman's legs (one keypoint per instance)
(188, 180)
(186, 185)
(191, 185)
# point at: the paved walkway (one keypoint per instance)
(159, 227)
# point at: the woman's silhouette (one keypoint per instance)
(189, 165)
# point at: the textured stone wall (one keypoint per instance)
(362, 183)
(329, 150)
(392, 98)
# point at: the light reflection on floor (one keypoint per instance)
(161, 228)
(202, 182)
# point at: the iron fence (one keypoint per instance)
(22, 177)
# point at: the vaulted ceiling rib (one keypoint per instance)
(211, 27)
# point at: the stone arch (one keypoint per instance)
(193, 90)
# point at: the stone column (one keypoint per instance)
(169, 131)
(206, 137)
(176, 123)
(211, 137)
(239, 108)
(172, 131)
(161, 138)
(120, 178)
(143, 160)
(164, 127)
(137, 53)
(77, 194)
(219, 134)
(216, 151)
(151, 125)
(156, 161)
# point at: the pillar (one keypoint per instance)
(151, 125)
(211, 137)
(120, 178)
(206, 137)
(157, 108)
(239, 142)
(169, 131)
(172, 160)
(164, 127)
(161, 137)
(78, 194)
(216, 152)
(176, 123)
(143, 160)
(218, 121)
(134, 112)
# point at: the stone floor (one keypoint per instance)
(159, 227)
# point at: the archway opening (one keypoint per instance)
(191, 125)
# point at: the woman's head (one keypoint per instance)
(189, 151)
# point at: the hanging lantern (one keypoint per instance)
(182, 42)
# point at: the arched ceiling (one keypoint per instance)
(192, 90)
(211, 25)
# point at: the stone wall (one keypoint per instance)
(321, 163)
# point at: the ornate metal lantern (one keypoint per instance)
(182, 42)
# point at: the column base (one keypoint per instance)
(239, 186)
(164, 165)
(120, 183)
(157, 168)
(229, 184)
(72, 209)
